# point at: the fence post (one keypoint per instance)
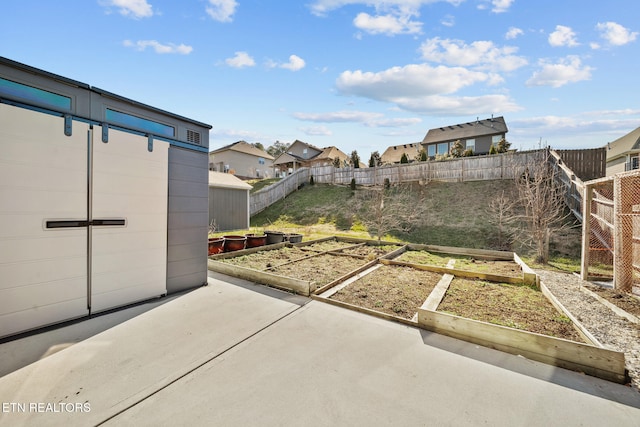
(586, 231)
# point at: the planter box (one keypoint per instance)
(591, 359)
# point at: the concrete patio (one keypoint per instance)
(236, 353)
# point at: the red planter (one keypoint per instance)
(255, 240)
(216, 245)
(234, 243)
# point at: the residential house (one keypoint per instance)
(478, 136)
(394, 153)
(623, 154)
(300, 154)
(241, 159)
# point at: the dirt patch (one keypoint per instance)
(328, 245)
(320, 269)
(516, 306)
(394, 290)
(501, 268)
(370, 252)
(622, 300)
(263, 260)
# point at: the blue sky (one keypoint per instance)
(360, 75)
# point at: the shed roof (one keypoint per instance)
(492, 126)
(244, 147)
(623, 145)
(227, 180)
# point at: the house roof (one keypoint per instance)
(394, 153)
(330, 153)
(287, 158)
(227, 180)
(297, 141)
(244, 147)
(623, 145)
(492, 126)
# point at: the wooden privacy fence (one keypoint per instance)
(587, 164)
(573, 186)
(478, 168)
(260, 200)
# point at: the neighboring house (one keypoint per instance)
(300, 154)
(478, 136)
(623, 154)
(394, 153)
(241, 159)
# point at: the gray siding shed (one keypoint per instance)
(228, 202)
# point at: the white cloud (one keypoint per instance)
(513, 32)
(240, 60)
(387, 24)
(131, 8)
(410, 80)
(317, 131)
(392, 16)
(563, 36)
(421, 88)
(448, 21)
(500, 6)
(567, 70)
(339, 117)
(158, 47)
(483, 55)
(295, 63)
(369, 119)
(222, 10)
(616, 34)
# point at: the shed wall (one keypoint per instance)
(188, 219)
(229, 208)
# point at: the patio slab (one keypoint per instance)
(234, 353)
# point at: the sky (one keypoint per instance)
(356, 74)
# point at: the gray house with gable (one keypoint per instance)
(478, 136)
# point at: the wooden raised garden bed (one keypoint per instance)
(300, 268)
(489, 298)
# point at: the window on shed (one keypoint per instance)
(36, 95)
(133, 122)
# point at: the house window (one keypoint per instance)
(261, 160)
(226, 169)
(495, 139)
(471, 144)
(431, 150)
(443, 148)
(304, 152)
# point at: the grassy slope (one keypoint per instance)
(458, 216)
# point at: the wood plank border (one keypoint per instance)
(596, 361)
(297, 286)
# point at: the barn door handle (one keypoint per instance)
(55, 223)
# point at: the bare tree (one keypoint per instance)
(397, 208)
(542, 198)
(502, 216)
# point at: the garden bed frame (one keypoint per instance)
(591, 358)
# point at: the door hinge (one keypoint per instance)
(67, 124)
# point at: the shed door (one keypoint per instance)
(130, 184)
(43, 177)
